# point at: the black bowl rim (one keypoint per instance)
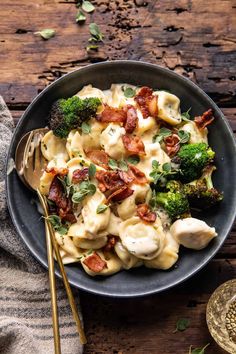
(187, 82)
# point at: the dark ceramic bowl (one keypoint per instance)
(140, 281)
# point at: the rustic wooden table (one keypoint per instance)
(195, 38)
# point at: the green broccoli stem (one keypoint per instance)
(207, 176)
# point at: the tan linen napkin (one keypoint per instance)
(25, 308)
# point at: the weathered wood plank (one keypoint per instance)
(146, 325)
(188, 39)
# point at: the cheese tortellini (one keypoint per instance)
(110, 225)
(192, 233)
(143, 240)
(169, 107)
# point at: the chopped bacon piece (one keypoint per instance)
(126, 176)
(204, 120)
(108, 180)
(120, 194)
(80, 175)
(152, 106)
(63, 204)
(57, 171)
(111, 114)
(133, 144)
(139, 176)
(132, 118)
(172, 144)
(95, 263)
(99, 157)
(56, 193)
(110, 244)
(147, 102)
(145, 213)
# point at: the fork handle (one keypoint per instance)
(70, 296)
(52, 285)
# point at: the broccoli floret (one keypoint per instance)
(201, 193)
(192, 159)
(174, 201)
(68, 114)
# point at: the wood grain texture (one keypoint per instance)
(195, 38)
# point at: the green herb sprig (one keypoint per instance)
(198, 350)
(133, 159)
(129, 92)
(86, 128)
(161, 174)
(118, 165)
(57, 225)
(46, 33)
(181, 325)
(163, 133)
(184, 136)
(186, 116)
(101, 208)
(85, 188)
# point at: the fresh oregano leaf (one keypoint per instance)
(101, 208)
(166, 167)
(77, 197)
(184, 136)
(163, 133)
(112, 164)
(92, 170)
(46, 33)
(86, 128)
(95, 32)
(123, 165)
(182, 324)
(80, 17)
(87, 6)
(198, 350)
(133, 159)
(92, 47)
(129, 92)
(185, 115)
(57, 225)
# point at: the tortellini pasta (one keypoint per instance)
(196, 135)
(107, 224)
(168, 107)
(111, 141)
(142, 240)
(93, 222)
(168, 257)
(192, 233)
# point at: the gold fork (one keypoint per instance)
(30, 165)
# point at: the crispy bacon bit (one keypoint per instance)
(204, 120)
(126, 176)
(56, 193)
(138, 176)
(110, 243)
(172, 144)
(63, 204)
(111, 114)
(80, 175)
(99, 157)
(132, 118)
(57, 171)
(95, 263)
(120, 194)
(147, 102)
(133, 144)
(145, 213)
(108, 180)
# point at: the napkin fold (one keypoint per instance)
(25, 306)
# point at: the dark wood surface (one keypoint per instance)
(194, 38)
